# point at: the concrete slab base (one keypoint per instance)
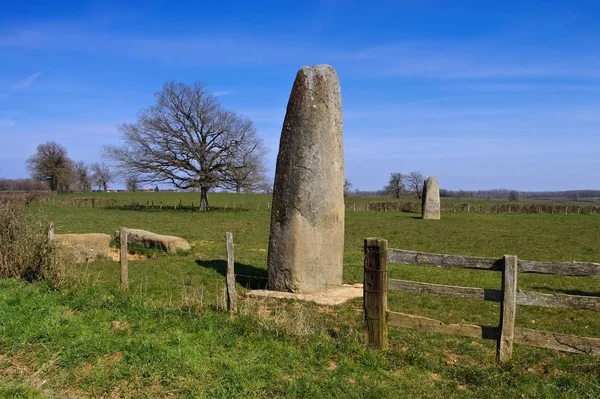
(332, 297)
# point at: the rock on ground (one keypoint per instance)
(169, 244)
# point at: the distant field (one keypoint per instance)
(190, 200)
(178, 342)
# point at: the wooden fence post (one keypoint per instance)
(123, 260)
(375, 292)
(508, 309)
(230, 276)
(50, 232)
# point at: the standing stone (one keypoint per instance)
(306, 244)
(431, 198)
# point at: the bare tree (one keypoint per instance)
(188, 140)
(102, 175)
(84, 180)
(132, 183)
(51, 164)
(414, 182)
(347, 187)
(248, 172)
(395, 186)
(513, 195)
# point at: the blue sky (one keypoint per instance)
(482, 94)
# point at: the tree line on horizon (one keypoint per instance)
(186, 140)
(398, 187)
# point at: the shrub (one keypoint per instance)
(25, 251)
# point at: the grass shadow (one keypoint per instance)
(247, 276)
(173, 208)
(569, 292)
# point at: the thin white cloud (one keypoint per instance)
(220, 93)
(25, 83)
(213, 49)
(481, 59)
(7, 123)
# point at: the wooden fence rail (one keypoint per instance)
(376, 285)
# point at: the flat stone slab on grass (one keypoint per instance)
(85, 247)
(169, 244)
(332, 297)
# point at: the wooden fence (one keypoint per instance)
(377, 316)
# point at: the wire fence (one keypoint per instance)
(192, 281)
(412, 206)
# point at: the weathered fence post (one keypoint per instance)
(230, 276)
(123, 260)
(508, 309)
(50, 232)
(375, 292)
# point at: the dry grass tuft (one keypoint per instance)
(25, 251)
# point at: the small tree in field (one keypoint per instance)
(395, 186)
(132, 183)
(51, 164)
(414, 182)
(513, 195)
(347, 187)
(102, 175)
(189, 141)
(84, 180)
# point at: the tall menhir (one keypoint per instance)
(306, 245)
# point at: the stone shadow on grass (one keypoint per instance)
(247, 276)
(174, 208)
(570, 292)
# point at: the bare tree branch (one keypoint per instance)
(189, 141)
(414, 182)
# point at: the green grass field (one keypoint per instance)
(172, 339)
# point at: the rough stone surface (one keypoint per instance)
(332, 297)
(169, 244)
(84, 247)
(431, 199)
(306, 244)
